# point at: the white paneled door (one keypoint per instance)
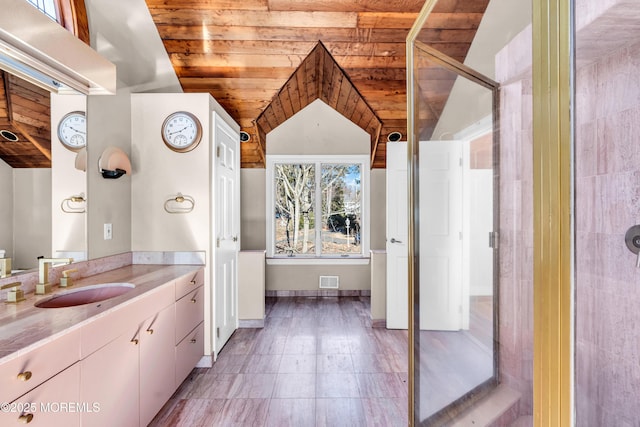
(397, 237)
(440, 248)
(227, 230)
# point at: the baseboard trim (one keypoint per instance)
(251, 323)
(378, 323)
(320, 293)
(205, 362)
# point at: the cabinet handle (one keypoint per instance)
(193, 300)
(24, 376)
(193, 282)
(193, 340)
(150, 331)
(135, 341)
(25, 418)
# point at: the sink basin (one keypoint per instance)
(86, 295)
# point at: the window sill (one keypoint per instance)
(317, 261)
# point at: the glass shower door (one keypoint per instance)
(455, 217)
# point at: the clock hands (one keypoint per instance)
(76, 130)
(178, 131)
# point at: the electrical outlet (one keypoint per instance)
(108, 232)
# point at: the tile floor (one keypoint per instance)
(317, 362)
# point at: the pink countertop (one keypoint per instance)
(24, 326)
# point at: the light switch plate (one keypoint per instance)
(108, 232)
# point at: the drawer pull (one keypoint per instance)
(24, 376)
(150, 331)
(193, 300)
(135, 341)
(193, 340)
(193, 282)
(25, 418)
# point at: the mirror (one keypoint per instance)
(41, 207)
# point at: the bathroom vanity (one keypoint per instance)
(112, 362)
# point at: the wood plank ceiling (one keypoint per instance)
(244, 52)
(25, 124)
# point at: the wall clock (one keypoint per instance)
(181, 131)
(72, 130)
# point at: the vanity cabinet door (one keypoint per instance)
(109, 377)
(157, 363)
(54, 403)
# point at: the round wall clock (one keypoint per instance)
(181, 131)
(72, 130)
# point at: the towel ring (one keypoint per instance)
(179, 204)
(74, 204)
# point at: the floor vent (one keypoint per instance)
(329, 282)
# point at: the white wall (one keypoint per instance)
(160, 173)
(6, 209)
(32, 216)
(502, 21)
(108, 200)
(318, 129)
(68, 233)
(25, 214)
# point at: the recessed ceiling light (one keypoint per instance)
(394, 136)
(8, 135)
(244, 136)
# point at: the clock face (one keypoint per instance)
(181, 131)
(72, 130)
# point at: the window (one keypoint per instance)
(48, 7)
(317, 207)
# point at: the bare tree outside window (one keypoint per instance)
(294, 201)
(341, 208)
(297, 223)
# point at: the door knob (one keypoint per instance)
(395, 241)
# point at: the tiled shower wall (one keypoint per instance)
(607, 161)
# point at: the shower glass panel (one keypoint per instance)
(455, 215)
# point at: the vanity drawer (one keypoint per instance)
(45, 405)
(189, 312)
(110, 326)
(38, 365)
(189, 282)
(188, 352)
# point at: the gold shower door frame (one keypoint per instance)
(553, 31)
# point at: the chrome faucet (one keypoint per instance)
(44, 287)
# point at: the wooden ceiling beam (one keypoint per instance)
(293, 19)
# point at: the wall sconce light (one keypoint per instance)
(114, 163)
(81, 159)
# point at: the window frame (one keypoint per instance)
(318, 257)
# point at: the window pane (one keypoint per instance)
(294, 216)
(341, 208)
(47, 7)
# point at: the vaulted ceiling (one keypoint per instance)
(244, 52)
(25, 124)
